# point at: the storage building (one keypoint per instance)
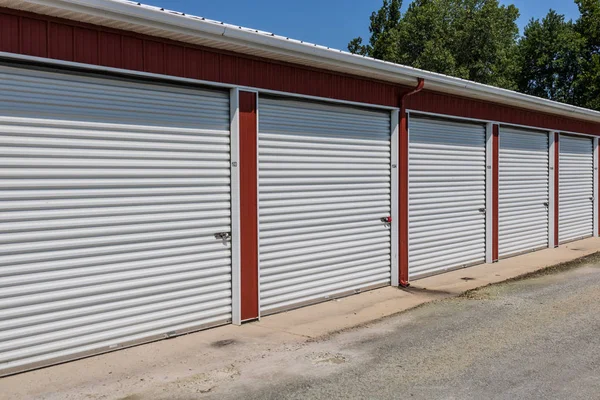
(162, 173)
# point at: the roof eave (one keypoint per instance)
(195, 30)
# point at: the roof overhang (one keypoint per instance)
(131, 16)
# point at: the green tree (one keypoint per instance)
(426, 37)
(479, 40)
(551, 55)
(470, 39)
(487, 42)
(588, 26)
(383, 27)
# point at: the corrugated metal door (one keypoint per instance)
(447, 178)
(324, 186)
(111, 195)
(523, 203)
(576, 188)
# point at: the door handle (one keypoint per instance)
(482, 210)
(546, 204)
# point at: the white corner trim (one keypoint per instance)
(551, 189)
(395, 164)
(489, 198)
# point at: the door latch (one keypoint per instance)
(387, 221)
(222, 235)
(546, 204)
(482, 210)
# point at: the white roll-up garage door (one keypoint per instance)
(447, 178)
(576, 188)
(324, 186)
(111, 195)
(523, 191)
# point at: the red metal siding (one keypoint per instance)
(109, 49)
(34, 37)
(495, 191)
(9, 42)
(229, 68)
(121, 49)
(452, 105)
(248, 205)
(154, 57)
(62, 44)
(132, 53)
(211, 66)
(175, 60)
(193, 63)
(84, 53)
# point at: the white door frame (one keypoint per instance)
(552, 148)
(395, 127)
(489, 189)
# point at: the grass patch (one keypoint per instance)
(477, 294)
(558, 268)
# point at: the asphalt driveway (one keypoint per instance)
(536, 338)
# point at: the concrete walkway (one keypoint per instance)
(202, 361)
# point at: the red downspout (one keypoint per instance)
(403, 187)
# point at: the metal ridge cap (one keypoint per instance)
(122, 10)
(119, 10)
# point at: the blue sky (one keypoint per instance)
(327, 22)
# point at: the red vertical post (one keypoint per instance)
(495, 190)
(556, 186)
(403, 197)
(248, 205)
(403, 141)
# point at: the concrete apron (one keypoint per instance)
(325, 318)
(215, 349)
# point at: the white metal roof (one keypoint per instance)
(155, 21)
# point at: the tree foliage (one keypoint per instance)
(479, 40)
(588, 26)
(551, 58)
(470, 39)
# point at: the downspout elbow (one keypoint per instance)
(417, 89)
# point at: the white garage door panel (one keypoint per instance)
(576, 188)
(324, 185)
(446, 195)
(523, 191)
(111, 193)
